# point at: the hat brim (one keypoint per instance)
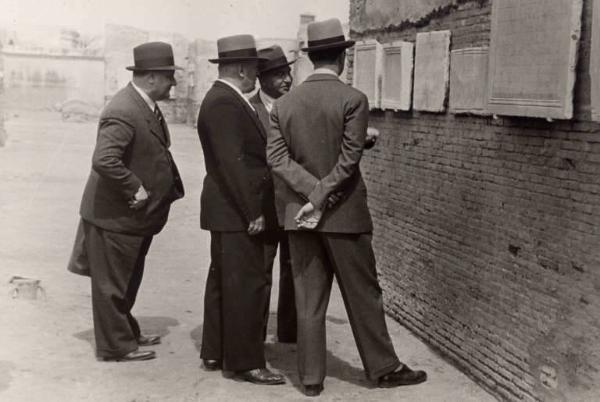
(235, 59)
(337, 45)
(276, 66)
(161, 68)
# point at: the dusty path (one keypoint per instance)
(47, 344)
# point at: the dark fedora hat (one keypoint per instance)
(273, 58)
(236, 48)
(153, 56)
(326, 34)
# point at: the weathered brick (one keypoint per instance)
(487, 230)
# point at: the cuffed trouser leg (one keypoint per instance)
(355, 271)
(116, 268)
(212, 331)
(239, 265)
(312, 286)
(286, 304)
(315, 258)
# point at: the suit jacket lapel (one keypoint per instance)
(153, 124)
(253, 115)
(263, 114)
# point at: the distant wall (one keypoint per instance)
(41, 81)
(118, 54)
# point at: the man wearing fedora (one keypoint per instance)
(126, 201)
(274, 75)
(317, 136)
(236, 206)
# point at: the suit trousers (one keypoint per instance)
(116, 266)
(316, 258)
(235, 300)
(286, 305)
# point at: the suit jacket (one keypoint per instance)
(315, 143)
(237, 187)
(278, 184)
(132, 149)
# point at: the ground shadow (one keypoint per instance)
(149, 325)
(6, 367)
(282, 357)
(196, 336)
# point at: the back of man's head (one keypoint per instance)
(327, 56)
(228, 70)
(242, 74)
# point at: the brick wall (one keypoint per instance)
(487, 231)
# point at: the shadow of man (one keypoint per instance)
(282, 357)
(154, 325)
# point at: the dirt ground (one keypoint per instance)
(47, 345)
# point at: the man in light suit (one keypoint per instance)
(126, 201)
(237, 206)
(275, 79)
(317, 136)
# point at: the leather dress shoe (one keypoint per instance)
(211, 365)
(148, 340)
(313, 389)
(402, 376)
(261, 376)
(136, 355)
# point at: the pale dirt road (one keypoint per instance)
(46, 351)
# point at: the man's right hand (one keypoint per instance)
(334, 198)
(256, 226)
(140, 199)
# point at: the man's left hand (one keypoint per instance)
(308, 217)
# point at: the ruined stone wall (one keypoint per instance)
(118, 54)
(487, 230)
(44, 81)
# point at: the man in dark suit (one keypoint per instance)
(317, 136)
(237, 206)
(126, 201)
(275, 80)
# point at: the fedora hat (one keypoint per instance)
(326, 34)
(273, 58)
(153, 56)
(236, 48)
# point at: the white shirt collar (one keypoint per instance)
(322, 70)
(151, 104)
(236, 89)
(267, 100)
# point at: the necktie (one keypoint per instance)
(158, 115)
(161, 121)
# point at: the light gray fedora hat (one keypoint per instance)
(326, 34)
(236, 48)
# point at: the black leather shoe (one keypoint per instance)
(148, 340)
(136, 355)
(261, 376)
(313, 389)
(402, 376)
(211, 365)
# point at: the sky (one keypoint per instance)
(207, 19)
